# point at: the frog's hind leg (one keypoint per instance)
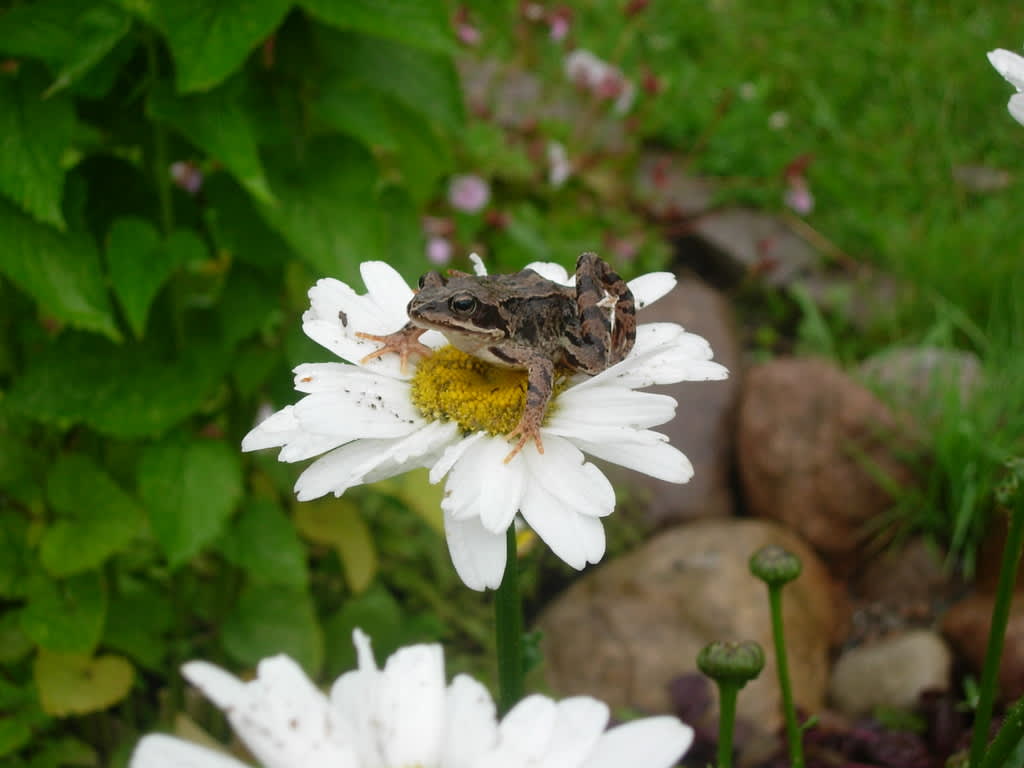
(540, 377)
(606, 307)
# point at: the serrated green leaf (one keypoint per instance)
(419, 23)
(122, 391)
(337, 522)
(61, 272)
(190, 488)
(77, 684)
(274, 619)
(139, 263)
(65, 616)
(137, 621)
(326, 205)
(237, 228)
(96, 520)
(426, 83)
(247, 303)
(217, 123)
(263, 543)
(69, 35)
(36, 133)
(22, 460)
(210, 39)
(403, 236)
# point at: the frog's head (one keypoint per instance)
(466, 309)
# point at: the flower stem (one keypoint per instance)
(508, 615)
(727, 693)
(997, 632)
(1009, 736)
(793, 735)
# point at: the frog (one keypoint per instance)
(523, 321)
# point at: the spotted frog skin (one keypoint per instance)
(524, 321)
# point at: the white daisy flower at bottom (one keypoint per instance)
(404, 716)
(450, 412)
(1011, 66)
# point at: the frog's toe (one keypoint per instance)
(525, 432)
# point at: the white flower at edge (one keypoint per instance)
(362, 418)
(404, 716)
(1011, 66)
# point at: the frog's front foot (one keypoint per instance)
(527, 429)
(405, 343)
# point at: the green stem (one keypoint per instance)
(727, 693)
(508, 615)
(793, 735)
(1009, 736)
(996, 635)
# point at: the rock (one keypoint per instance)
(737, 242)
(967, 626)
(667, 190)
(891, 673)
(705, 419)
(811, 442)
(624, 631)
(910, 376)
(981, 179)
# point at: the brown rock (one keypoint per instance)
(624, 631)
(811, 442)
(668, 190)
(705, 419)
(911, 376)
(967, 626)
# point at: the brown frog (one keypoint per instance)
(524, 321)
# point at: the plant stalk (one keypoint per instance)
(793, 734)
(508, 615)
(728, 690)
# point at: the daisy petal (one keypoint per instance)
(528, 727)
(1016, 107)
(610, 407)
(550, 271)
(477, 554)
(1009, 65)
(481, 484)
(275, 430)
(410, 707)
(452, 454)
(648, 288)
(470, 726)
(386, 287)
(160, 751)
(579, 724)
(657, 459)
(479, 269)
(654, 742)
(562, 474)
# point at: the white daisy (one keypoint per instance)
(1011, 66)
(404, 716)
(364, 420)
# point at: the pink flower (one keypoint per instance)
(798, 194)
(600, 78)
(439, 251)
(559, 169)
(187, 176)
(469, 193)
(559, 22)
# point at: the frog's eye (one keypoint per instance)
(462, 304)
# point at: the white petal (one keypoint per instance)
(281, 716)
(550, 271)
(579, 723)
(654, 742)
(478, 555)
(666, 356)
(528, 727)
(373, 459)
(410, 708)
(648, 288)
(160, 751)
(470, 725)
(359, 412)
(386, 287)
(452, 454)
(657, 458)
(353, 705)
(478, 265)
(1009, 65)
(609, 407)
(1016, 107)
(482, 485)
(563, 474)
(277, 429)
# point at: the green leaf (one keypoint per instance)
(14, 643)
(337, 522)
(274, 619)
(97, 518)
(424, 82)
(69, 35)
(14, 555)
(326, 205)
(123, 391)
(36, 133)
(247, 305)
(65, 616)
(420, 23)
(77, 684)
(217, 123)
(190, 488)
(211, 38)
(14, 733)
(264, 544)
(23, 460)
(237, 229)
(403, 235)
(377, 613)
(139, 264)
(61, 272)
(137, 621)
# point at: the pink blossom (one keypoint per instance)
(559, 169)
(187, 176)
(469, 193)
(439, 251)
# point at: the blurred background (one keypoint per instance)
(836, 183)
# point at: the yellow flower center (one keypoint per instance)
(451, 385)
